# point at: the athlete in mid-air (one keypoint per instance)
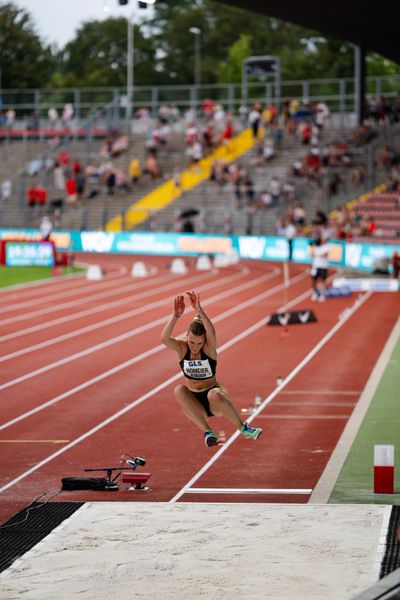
(201, 396)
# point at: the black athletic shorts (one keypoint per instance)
(202, 398)
(319, 274)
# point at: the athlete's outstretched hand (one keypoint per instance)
(179, 306)
(194, 300)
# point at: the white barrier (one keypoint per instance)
(94, 273)
(203, 263)
(139, 269)
(178, 266)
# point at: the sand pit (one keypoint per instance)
(186, 551)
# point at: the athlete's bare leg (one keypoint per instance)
(221, 406)
(191, 407)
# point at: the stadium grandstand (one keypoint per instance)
(262, 215)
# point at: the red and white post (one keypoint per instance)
(383, 469)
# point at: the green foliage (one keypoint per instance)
(164, 48)
(97, 56)
(230, 71)
(24, 61)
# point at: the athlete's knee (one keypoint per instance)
(216, 397)
(180, 392)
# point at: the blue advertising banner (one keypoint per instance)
(352, 255)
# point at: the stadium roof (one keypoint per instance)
(373, 27)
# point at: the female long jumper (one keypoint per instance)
(201, 396)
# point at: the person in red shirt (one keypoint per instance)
(71, 189)
(227, 133)
(41, 194)
(371, 226)
(31, 195)
(395, 260)
(63, 158)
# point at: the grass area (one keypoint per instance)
(380, 426)
(15, 275)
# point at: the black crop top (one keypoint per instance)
(202, 368)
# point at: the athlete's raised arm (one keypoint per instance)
(209, 327)
(166, 334)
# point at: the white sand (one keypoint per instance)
(189, 551)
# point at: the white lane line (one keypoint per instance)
(77, 290)
(249, 491)
(102, 307)
(146, 327)
(129, 407)
(304, 417)
(86, 298)
(115, 319)
(301, 403)
(321, 392)
(269, 398)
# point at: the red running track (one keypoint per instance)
(84, 379)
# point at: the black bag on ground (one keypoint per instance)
(85, 483)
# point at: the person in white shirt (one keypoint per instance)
(46, 227)
(319, 269)
(290, 233)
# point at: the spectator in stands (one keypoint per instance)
(59, 177)
(33, 122)
(265, 199)
(321, 114)
(278, 136)
(41, 195)
(249, 192)
(194, 153)
(52, 115)
(395, 262)
(152, 167)
(10, 118)
(134, 170)
(276, 189)
(109, 179)
(80, 179)
(334, 180)
(289, 191)
(254, 119)
(6, 189)
(228, 131)
(121, 183)
(207, 108)
(63, 158)
(119, 145)
(46, 227)
(304, 132)
(31, 195)
(67, 114)
(71, 191)
(299, 215)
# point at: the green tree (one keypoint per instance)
(24, 61)
(97, 56)
(304, 53)
(230, 71)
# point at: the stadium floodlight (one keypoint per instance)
(197, 58)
